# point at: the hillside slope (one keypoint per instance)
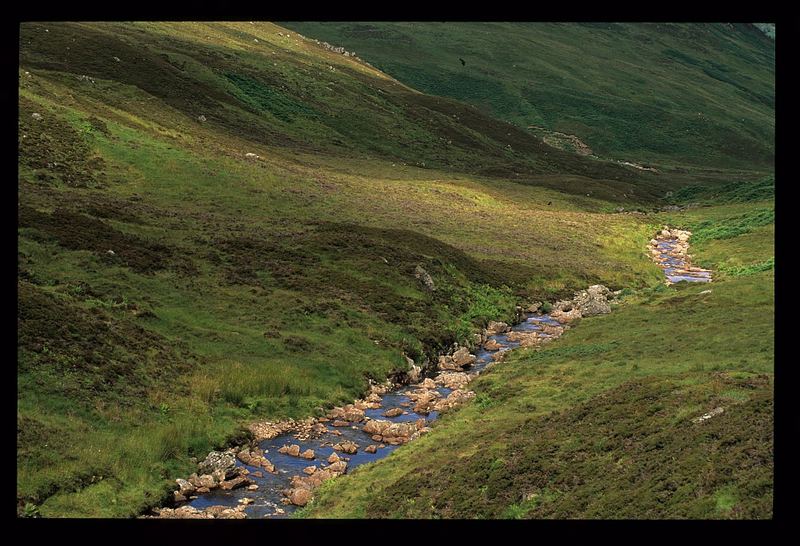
(670, 94)
(604, 423)
(172, 287)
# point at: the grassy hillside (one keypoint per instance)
(601, 423)
(171, 288)
(670, 94)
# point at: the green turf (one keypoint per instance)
(239, 289)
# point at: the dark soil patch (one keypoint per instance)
(76, 231)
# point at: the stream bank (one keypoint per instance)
(287, 460)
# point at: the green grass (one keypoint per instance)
(598, 424)
(671, 94)
(240, 290)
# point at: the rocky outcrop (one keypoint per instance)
(453, 380)
(425, 278)
(458, 360)
(525, 339)
(495, 328)
(218, 460)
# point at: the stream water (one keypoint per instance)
(267, 498)
(675, 265)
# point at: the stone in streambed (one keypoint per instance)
(293, 450)
(371, 449)
(394, 412)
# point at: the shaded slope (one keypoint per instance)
(696, 94)
(257, 83)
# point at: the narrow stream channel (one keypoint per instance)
(668, 249)
(267, 498)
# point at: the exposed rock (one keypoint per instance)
(307, 454)
(376, 426)
(217, 460)
(454, 380)
(206, 481)
(424, 402)
(293, 450)
(36, 116)
(350, 413)
(425, 277)
(534, 307)
(492, 345)
(495, 327)
(371, 448)
(428, 383)
(455, 398)
(347, 447)
(201, 118)
(414, 373)
(551, 330)
(235, 483)
(333, 458)
(177, 497)
(566, 317)
(184, 487)
(394, 412)
(337, 468)
(250, 155)
(525, 339)
(592, 301)
(709, 415)
(310, 469)
(267, 430)
(462, 357)
(300, 497)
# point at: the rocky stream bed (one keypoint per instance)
(287, 460)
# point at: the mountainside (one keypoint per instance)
(669, 94)
(225, 222)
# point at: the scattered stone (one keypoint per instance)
(709, 415)
(333, 458)
(428, 383)
(346, 446)
(201, 118)
(426, 279)
(371, 448)
(394, 412)
(36, 116)
(310, 469)
(235, 483)
(495, 327)
(307, 454)
(293, 450)
(492, 345)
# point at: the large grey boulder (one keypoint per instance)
(224, 461)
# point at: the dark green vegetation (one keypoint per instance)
(670, 94)
(601, 423)
(172, 289)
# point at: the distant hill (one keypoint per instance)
(696, 94)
